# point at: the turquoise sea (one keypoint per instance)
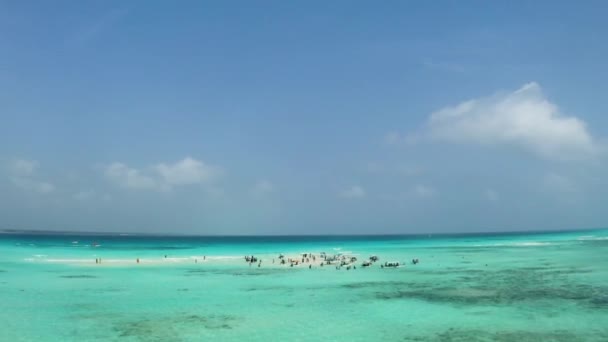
(475, 287)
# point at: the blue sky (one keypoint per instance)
(313, 117)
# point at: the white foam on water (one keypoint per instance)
(517, 244)
(176, 259)
(223, 257)
(532, 244)
(69, 261)
(592, 238)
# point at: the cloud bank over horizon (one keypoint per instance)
(162, 176)
(524, 119)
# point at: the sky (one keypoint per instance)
(303, 117)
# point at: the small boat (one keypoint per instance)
(366, 263)
(373, 258)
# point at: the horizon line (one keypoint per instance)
(151, 234)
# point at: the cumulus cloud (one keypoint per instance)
(354, 192)
(23, 176)
(186, 171)
(523, 118)
(163, 176)
(33, 185)
(421, 190)
(262, 188)
(23, 167)
(491, 195)
(128, 177)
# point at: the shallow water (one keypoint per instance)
(514, 287)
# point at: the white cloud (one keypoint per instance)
(421, 190)
(162, 177)
(128, 177)
(523, 118)
(24, 167)
(354, 192)
(491, 195)
(262, 188)
(84, 195)
(187, 171)
(33, 185)
(22, 171)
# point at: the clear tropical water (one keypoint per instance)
(515, 287)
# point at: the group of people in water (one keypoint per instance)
(397, 264)
(338, 260)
